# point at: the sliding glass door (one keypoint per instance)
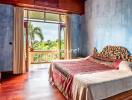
(45, 35)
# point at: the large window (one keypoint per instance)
(46, 34)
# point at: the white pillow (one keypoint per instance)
(126, 66)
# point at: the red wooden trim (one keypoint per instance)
(68, 6)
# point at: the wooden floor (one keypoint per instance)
(35, 86)
(31, 86)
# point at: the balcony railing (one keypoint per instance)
(45, 56)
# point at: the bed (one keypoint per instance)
(99, 76)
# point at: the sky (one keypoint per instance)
(49, 30)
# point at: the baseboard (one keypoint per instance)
(6, 75)
(0, 78)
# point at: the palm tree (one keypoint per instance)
(33, 31)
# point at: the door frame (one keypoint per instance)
(27, 61)
(27, 35)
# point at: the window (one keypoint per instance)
(36, 15)
(51, 26)
(44, 16)
(52, 17)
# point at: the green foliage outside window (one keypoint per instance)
(43, 45)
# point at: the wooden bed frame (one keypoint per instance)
(116, 52)
(113, 52)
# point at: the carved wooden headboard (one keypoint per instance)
(114, 52)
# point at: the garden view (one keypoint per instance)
(45, 39)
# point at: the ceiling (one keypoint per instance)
(70, 6)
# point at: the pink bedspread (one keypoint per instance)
(62, 73)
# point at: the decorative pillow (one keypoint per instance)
(116, 64)
(126, 66)
(103, 58)
(107, 63)
(91, 58)
(113, 63)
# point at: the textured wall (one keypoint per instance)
(6, 31)
(75, 31)
(108, 22)
(84, 37)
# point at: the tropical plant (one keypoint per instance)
(35, 31)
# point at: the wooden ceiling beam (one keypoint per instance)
(70, 6)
